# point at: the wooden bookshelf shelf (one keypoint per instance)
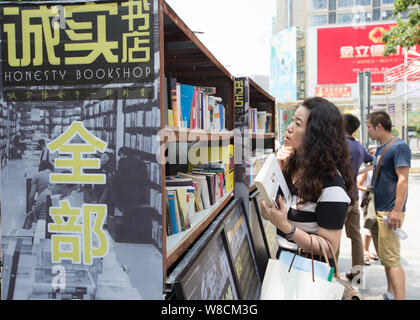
(256, 135)
(175, 134)
(178, 243)
(185, 58)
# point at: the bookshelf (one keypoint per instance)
(261, 142)
(186, 59)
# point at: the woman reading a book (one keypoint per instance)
(315, 163)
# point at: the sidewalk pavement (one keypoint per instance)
(374, 275)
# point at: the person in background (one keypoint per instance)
(129, 185)
(45, 153)
(363, 182)
(315, 162)
(391, 189)
(41, 180)
(40, 210)
(358, 155)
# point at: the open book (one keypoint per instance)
(270, 183)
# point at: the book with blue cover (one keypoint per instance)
(186, 99)
(171, 201)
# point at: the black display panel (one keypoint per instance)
(270, 231)
(210, 277)
(242, 253)
(257, 233)
(206, 272)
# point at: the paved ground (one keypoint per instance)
(375, 281)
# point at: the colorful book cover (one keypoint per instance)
(171, 201)
(183, 209)
(186, 99)
(174, 103)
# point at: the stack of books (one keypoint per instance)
(260, 121)
(194, 107)
(188, 193)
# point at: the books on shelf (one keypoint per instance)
(180, 200)
(194, 107)
(260, 121)
(189, 193)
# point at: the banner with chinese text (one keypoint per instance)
(351, 50)
(80, 173)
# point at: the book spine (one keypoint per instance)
(171, 201)
(174, 102)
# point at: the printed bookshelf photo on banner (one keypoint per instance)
(81, 191)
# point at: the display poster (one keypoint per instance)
(258, 237)
(80, 179)
(210, 277)
(283, 66)
(242, 145)
(269, 230)
(243, 255)
(352, 50)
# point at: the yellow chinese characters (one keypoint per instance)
(140, 52)
(41, 32)
(73, 238)
(239, 93)
(80, 32)
(76, 162)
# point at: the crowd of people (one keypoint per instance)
(321, 162)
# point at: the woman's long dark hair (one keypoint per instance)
(325, 152)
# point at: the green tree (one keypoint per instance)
(405, 34)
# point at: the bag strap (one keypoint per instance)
(312, 258)
(322, 250)
(380, 159)
(334, 259)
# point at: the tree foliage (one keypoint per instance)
(405, 34)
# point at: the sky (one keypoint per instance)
(237, 32)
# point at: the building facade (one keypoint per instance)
(339, 36)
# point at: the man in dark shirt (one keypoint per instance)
(352, 224)
(391, 189)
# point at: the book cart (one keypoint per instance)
(134, 124)
(185, 58)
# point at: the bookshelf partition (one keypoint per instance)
(186, 59)
(263, 139)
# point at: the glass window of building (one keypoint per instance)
(332, 5)
(362, 17)
(319, 20)
(387, 15)
(332, 18)
(363, 2)
(376, 14)
(345, 17)
(388, 1)
(345, 3)
(376, 3)
(319, 4)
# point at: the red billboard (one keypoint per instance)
(345, 51)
